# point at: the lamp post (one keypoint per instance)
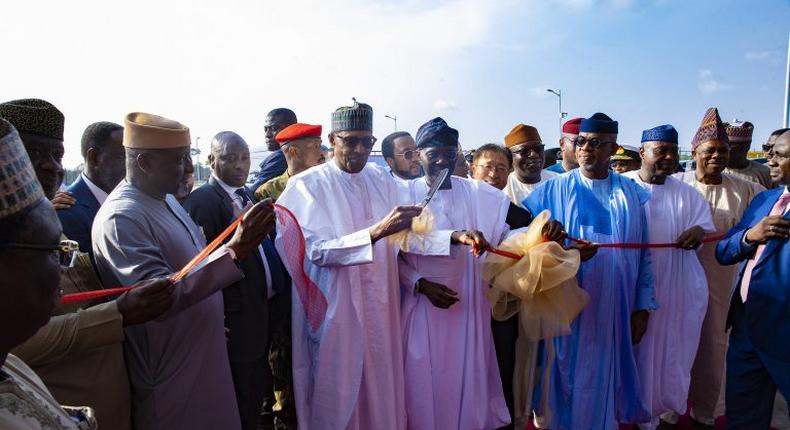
(196, 154)
(394, 119)
(558, 93)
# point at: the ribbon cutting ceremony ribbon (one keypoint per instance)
(621, 245)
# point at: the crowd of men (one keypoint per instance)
(326, 308)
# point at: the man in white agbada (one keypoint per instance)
(348, 374)
(676, 213)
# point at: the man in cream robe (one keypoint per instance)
(727, 198)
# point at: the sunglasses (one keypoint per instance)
(408, 155)
(66, 250)
(595, 143)
(365, 141)
(525, 151)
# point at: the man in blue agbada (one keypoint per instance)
(593, 381)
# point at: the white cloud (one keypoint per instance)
(583, 5)
(444, 105)
(761, 56)
(707, 84)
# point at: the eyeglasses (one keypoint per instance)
(66, 250)
(595, 143)
(489, 168)
(408, 155)
(525, 151)
(366, 141)
(434, 154)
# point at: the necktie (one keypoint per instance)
(778, 209)
(243, 194)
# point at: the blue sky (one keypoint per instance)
(482, 65)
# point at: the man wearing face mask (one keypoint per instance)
(728, 198)
(594, 378)
(676, 213)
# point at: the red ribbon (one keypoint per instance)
(97, 294)
(621, 245)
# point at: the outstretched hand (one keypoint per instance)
(63, 200)
(691, 238)
(256, 224)
(146, 301)
(399, 218)
(553, 231)
(473, 238)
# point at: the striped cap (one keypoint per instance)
(19, 188)
(359, 116)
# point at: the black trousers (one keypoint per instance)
(249, 382)
(505, 334)
(752, 379)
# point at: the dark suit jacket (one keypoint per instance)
(273, 166)
(78, 219)
(767, 308)
(246, 301)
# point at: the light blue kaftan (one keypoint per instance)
(594, 383)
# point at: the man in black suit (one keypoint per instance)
(214, 206)
(102, 149)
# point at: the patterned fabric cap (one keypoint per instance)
(522, 134)
(711, 128)
(739, 131)
(359, 116)
(34, 116)
(662, 133)
(436, 132)
(19, 188)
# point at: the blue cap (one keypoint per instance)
(598, 123)
(436, 132)
(662, 133)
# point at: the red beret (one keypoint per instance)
(297, 131)
(572, 126)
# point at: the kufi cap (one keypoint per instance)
(626, 153)
(711, 128)
(572, 126)
(662, 133)
(522, 134)
(34, 116)
(359, 116)
(297, 131)
(146, 131)
(739, 131)
(436, 132)
(19, 187)
(598, 123)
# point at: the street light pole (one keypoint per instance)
(196, 153)
(394, 118)
(558, 93)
